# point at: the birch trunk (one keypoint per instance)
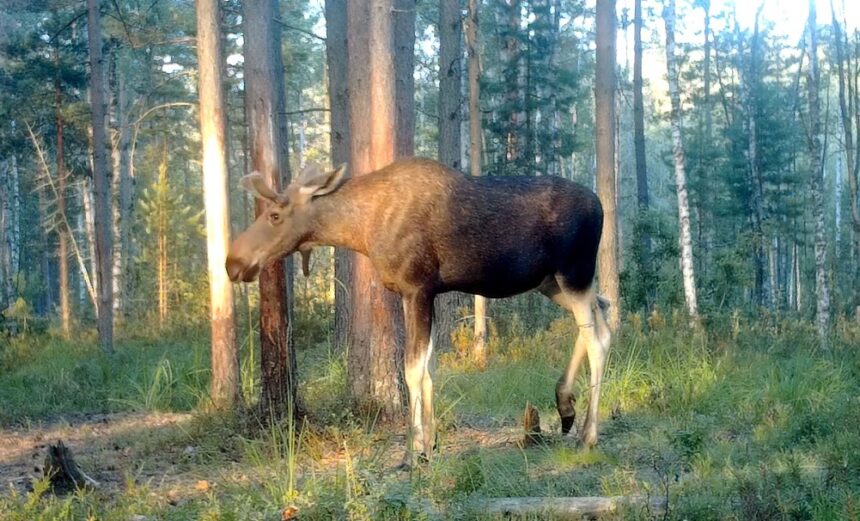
(845, 109)
(822, 288)
(86, 195)
(684, 236)
(479, 349)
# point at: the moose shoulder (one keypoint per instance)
(428, 230)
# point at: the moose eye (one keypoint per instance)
(274, 218)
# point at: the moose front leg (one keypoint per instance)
(418, 314)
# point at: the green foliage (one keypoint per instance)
(746, 421)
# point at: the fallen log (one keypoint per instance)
(569, 507)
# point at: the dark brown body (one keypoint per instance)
(490, 236)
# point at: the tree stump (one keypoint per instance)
(63, 472)
(531, 426)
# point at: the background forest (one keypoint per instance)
(733, 137)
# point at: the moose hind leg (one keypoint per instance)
(418, 312)
(565, 399)
(598, 350)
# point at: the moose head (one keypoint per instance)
(283, 227)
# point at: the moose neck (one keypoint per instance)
(340, 218)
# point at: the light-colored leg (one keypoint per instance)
(414, 380)
(418, 314)
(428, 419)
(593, 340)
(598, 350)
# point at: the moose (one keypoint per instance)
(428, 230)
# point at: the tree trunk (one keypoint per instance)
(122, 181)
(161, 235)
(850, 158)
(604, 101)
(479, 349)
(11, 230)
(264, 95)
(376, 343)
(62, 231)
(89, 226)
(822, 290)
(213, 134)
(748, 92)
(450, 153)
(336, 57)
(684, 236)
(404, 76)
(642, 197)
(101, 182)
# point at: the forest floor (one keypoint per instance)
(747, 421)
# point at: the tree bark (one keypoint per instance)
(264, 94)
(213, 134)
(449, 152)
(604, 101)
(479, 349)
(101, 181)
(62, 231)
(642, 196)
(336, 57)
(850, 158)
(404, 77)
(90, 228)
(11, 229)
(376, 343)
(822, 288)
(749, 89)
(684, 236)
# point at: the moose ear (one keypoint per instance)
(256, 184)
(313, 183)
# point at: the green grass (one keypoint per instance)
(746, 422)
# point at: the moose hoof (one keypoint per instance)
(567, 424)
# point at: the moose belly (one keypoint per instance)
(499, 277)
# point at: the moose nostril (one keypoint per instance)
(234, 268)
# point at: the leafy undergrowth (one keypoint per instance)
(745, 422)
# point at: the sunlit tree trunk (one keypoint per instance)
(121, 145)
(377, 336)
(822, 288)
(336, 57)
(213, 135)
(62, 230)
(86, 194)
(479, 349)
(604, 101)
(161, 221)
(450, 153)
(102, 213)
(264, 99)
(684, 236)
